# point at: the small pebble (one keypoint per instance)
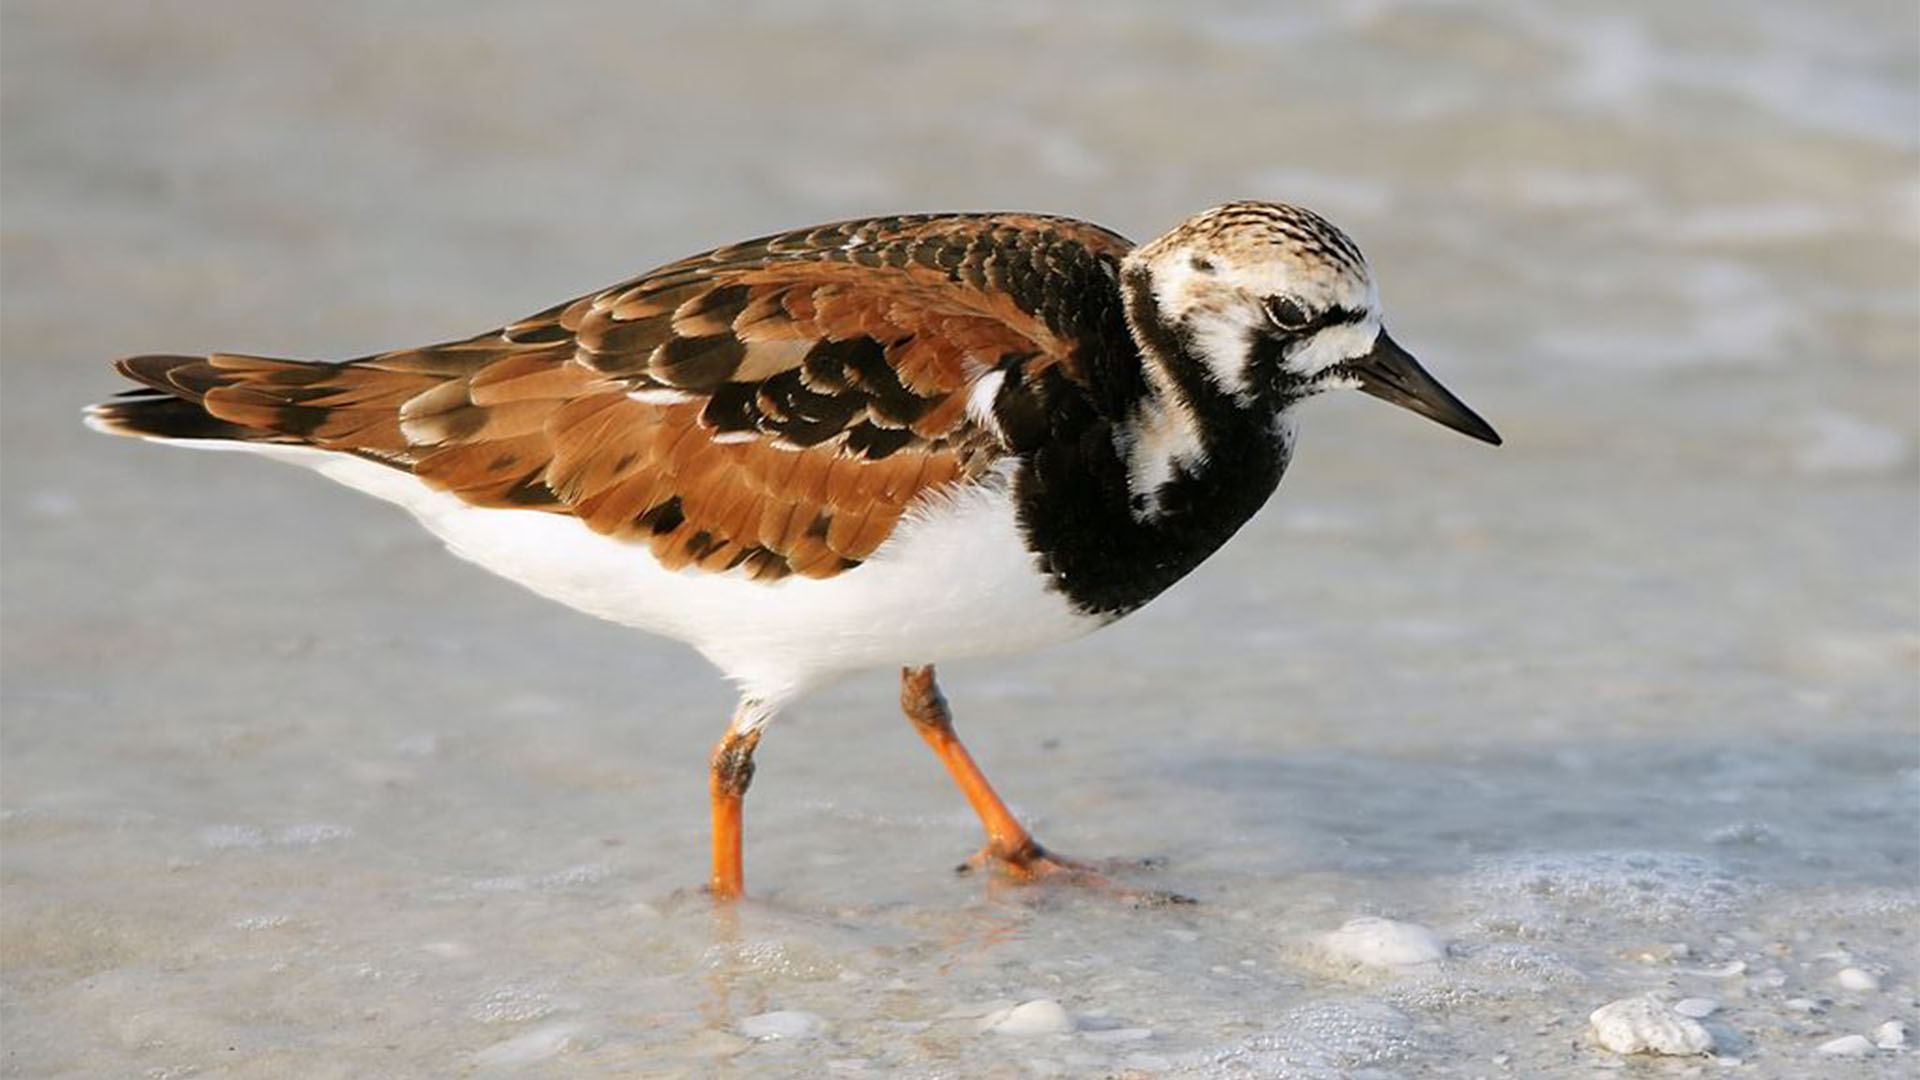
(1384, 943)
(1853, 978)
(1643, 1025)
(783, 1024)
(1891, 1035)
(1697, 1008)
(1040, 1017)
(1847, 1046)
(1805, 1005)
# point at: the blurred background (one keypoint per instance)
(288, 791)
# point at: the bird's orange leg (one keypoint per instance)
(731, 771)
(1010, 848)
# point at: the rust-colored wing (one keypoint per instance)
(775, 405)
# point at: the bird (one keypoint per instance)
(878, 443)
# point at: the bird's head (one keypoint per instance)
(1272, 303)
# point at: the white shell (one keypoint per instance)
(1891, 1035)
(1040, 1017)
(1643, 1025)
(1853, 978)
(1847, 1046)
(1384, 943)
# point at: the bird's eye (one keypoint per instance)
(1287, 314)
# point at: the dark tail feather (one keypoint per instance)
(154, 415)
(167, 406)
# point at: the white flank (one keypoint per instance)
(954, 580)
(980, 398)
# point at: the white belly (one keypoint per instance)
(954, 580)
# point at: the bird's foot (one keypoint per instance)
(1030, 864)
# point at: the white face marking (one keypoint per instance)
(1222, 333)
(1222, 309)
(1335, 345)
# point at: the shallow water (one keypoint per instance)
(1627, 706)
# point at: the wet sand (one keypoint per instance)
(1628, 706)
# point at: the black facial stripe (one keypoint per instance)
(1337, 315)
(1271, 373)
(1161, 338)
(1170, 345)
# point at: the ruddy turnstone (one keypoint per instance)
(880, 442)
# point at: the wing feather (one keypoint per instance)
(773, 406)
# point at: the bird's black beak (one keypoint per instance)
(1391, 374)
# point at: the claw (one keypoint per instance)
(1035, 866)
